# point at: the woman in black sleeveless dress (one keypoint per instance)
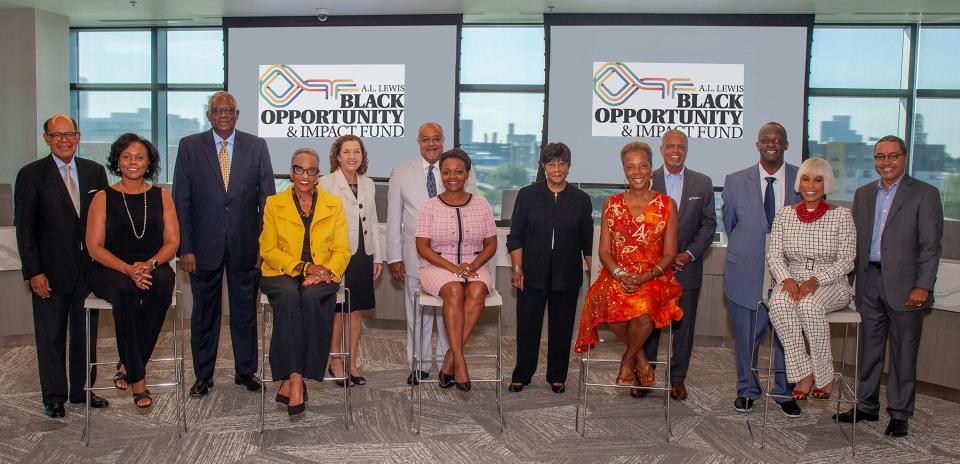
(132, 234)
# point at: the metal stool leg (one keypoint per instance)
(666, 381)
(499, 386)
(263, 364)
(84, 436)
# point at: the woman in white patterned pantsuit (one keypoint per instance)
(811, 251)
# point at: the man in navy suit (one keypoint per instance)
(220, 184)
(50, 212)
(751, 198)
(693, 194)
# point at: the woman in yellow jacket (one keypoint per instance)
(301, 275)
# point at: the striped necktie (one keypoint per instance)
(71, 188)
(224, 163)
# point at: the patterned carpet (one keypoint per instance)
(457, 427)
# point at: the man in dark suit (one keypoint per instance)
(220, 184)
(751, 198)
(693, 194)
(50, 213)
(899, 226)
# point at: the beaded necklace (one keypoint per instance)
(807, 216)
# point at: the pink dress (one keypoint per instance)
(456, 233)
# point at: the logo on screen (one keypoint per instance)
(280, 85)
(614, 83)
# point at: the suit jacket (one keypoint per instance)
(745, 223)
(360, 208)
(910, 245)
(281, 242)
(50, 234)
(211, 219)
(407, 192)
(697, 221)
(568, 221)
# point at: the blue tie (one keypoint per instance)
(431, 183)
(770, 202)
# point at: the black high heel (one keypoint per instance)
(294, 410)
(446, 380)
(464, 386)
(558, 387)
(339, 383)
(517, 387)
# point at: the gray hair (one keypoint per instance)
(223, 94)
(816, 167)
(307, 150)
(674, 131)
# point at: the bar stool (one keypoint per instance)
(584, 383)
(93, 303)
(425, 300)
(343, 297)
(765, 376)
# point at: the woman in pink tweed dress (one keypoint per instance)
(456, 236)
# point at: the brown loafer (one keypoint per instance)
(678, 391)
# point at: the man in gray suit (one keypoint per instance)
(693, 194)
(751, 198)
(411, 183)
(899, 226)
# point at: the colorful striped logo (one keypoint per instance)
(280, 85)
(614, 83)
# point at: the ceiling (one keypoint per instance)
(106, 13)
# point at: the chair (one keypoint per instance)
(424, 300)
(93, 303)
(765, 376)
(343, 297)
(584, 383)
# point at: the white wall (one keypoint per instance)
(34, 82)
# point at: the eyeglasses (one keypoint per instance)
(227, 110)
(434, 139)
(299, 170)
(776, 141)
(57, 136)
(881, 157)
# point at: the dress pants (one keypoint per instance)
(904, 329)
(51, 317)
(302, 326)
(242, 285)
(682, 337)
(138, 314)
(561, 306)
(426, 354)
(742, 319)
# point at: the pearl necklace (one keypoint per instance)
(130, 216)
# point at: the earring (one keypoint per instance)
(650, 187)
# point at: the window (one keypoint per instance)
(153, 82)
(501, 106)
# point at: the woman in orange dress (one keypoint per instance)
(635, 291)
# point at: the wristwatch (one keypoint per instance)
(153, 264)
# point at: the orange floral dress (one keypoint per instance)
(637, 245)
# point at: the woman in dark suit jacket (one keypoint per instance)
(551, 230)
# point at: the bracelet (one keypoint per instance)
(619, 272)
(517, 269)
(659, 269)
(303, 270)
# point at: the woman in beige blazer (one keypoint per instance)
(348, 163)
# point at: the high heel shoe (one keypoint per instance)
(294, 410)
(820, 394)
(646, 377)
(339, 383)
(286, 399)
(558, 387)
(445, 380)
(517, 387)
(799, 395)
(464, 386)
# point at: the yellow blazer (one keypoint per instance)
(281, 241)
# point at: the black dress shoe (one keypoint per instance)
(54, 410)
(516, 387)
(790, 408)
(897, 428)
(201, 387)
(95, 401)
(248, 380)
(743, 404)
(412, 379)
(847, 417)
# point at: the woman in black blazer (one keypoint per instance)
(551, 230)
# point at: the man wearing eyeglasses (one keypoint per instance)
(899, 223)
(50, 213)
(411, 183)
(751, 199)
(220, 184)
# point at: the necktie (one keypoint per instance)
(224, 164)
(770, 202)
(431, 183)
(71, 188)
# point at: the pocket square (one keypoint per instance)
(693, 198)
(94, 191)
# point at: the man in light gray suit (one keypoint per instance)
(693, 194)
(751, 198)
(411, 183)
(899, 226)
